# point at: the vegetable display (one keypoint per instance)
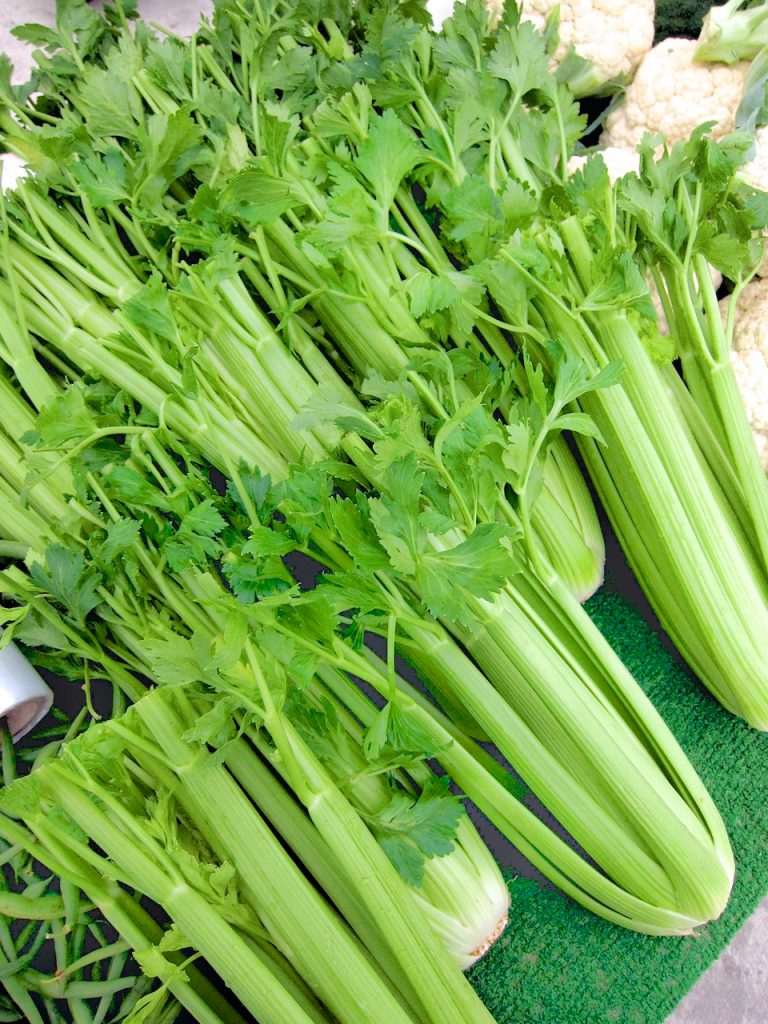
(310, 325)
(463, 569)
(348, 537)
(673, 460)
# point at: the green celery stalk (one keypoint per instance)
(346, 983)
(218, 942)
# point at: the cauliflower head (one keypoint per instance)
(755, 171)
(749, 356)
(673, 95)
(612, 35)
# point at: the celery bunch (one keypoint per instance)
(223, 244)
(561, 265)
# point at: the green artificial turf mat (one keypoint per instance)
(557, 963)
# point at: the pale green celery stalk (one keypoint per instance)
(712, 597)
(641, 832)
(705, 444)
(568, 487)
(708, 372)
(28, 521)
(564, 523)
(553, 856)
(442, 992)
(733, 32)
(291, 822)
(195, 992)
(507, 657)
(140, 859)
(348, 984)
(21, 526)
(18, 352)
(462, 894)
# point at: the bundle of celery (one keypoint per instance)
(560, 264)
(189, 266)
(118, 786)
(246, 538)
(159, 612)
(64, 963)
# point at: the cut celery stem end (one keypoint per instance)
(465, 898)
(570, 487)
(443, 992)
(574, 560)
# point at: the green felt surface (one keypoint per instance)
(558, 964)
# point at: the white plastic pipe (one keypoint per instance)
(24, 697)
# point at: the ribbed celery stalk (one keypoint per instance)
(195, 992)
(290, 821)
(667, 491)
(131, 853)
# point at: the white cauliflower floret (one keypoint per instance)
(12, 170)
(750, 356)
(613, 35)
(618, 162)
(755, 171)
(673, 95)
